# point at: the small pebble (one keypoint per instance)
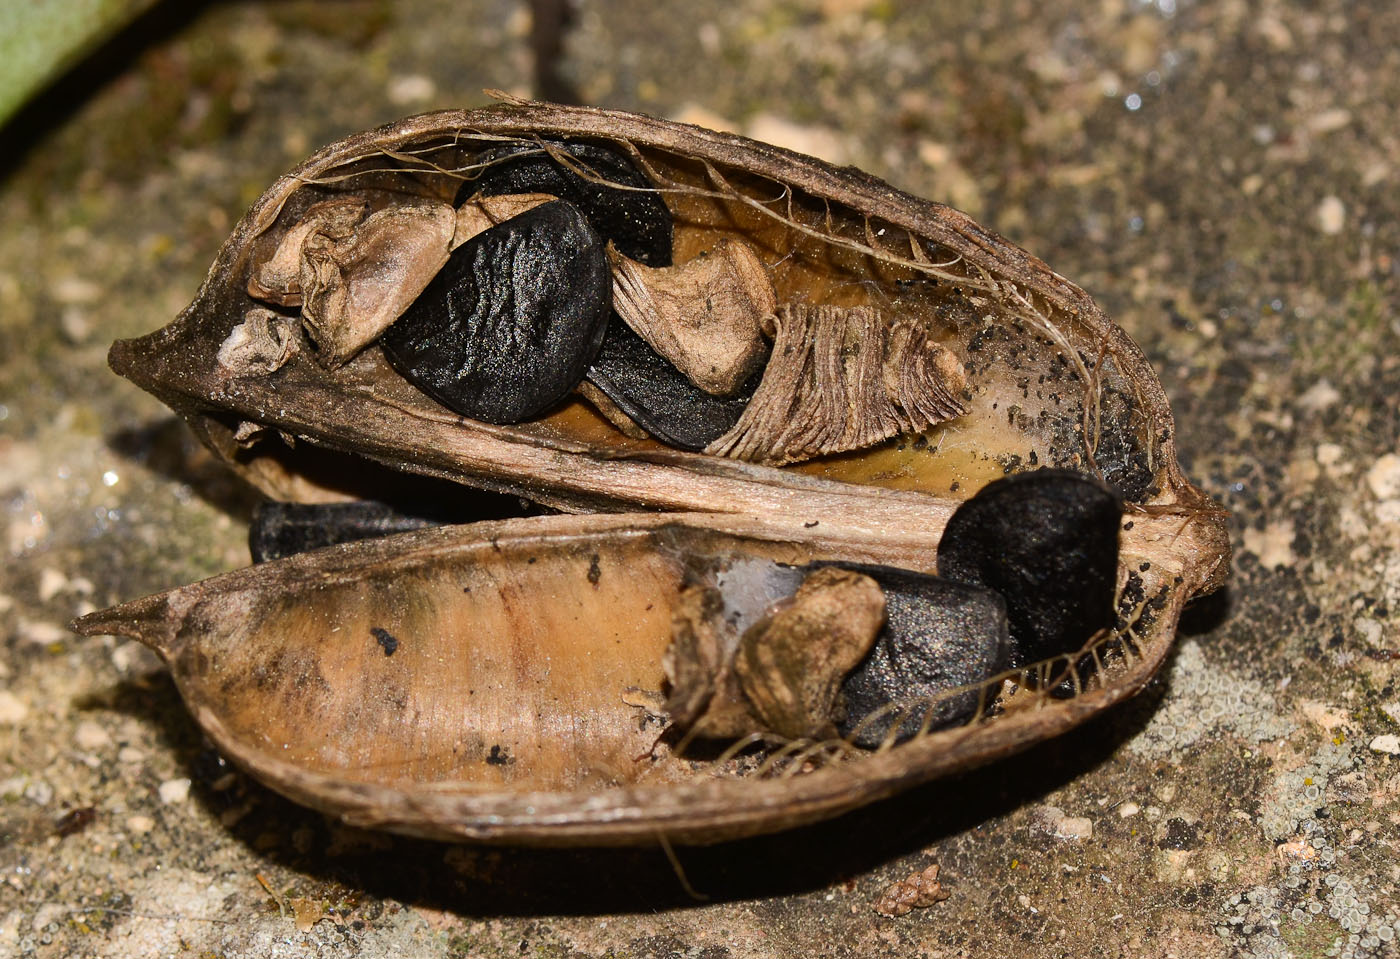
(1389, 743)
(140, 825)
(174, 791)
(1331, 215)
(12, 709)
(90, 735)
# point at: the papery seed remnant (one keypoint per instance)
(354, 286)
(803, 631)
(843, 379)
(705, 316)
(510, 325)
(260, 345)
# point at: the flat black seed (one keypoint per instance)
(658, 397)
(1047, 541)
(637, 221)
(284, 529)
(510, 325)
(938, 636)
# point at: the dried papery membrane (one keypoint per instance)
(509, 326)
(353, 287)
(278, 278)
(843, 379)
(261, 344)
(481, 213)
(705, 315)
(601, 181)
(763, 648)
(791, 664)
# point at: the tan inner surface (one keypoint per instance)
(507, 669)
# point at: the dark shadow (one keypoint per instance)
(54, 106)
(483, 881)
(1206, 614)
(167, 447)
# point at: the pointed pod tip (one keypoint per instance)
(145, 620)
(121, 356)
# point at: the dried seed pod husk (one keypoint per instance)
(1049, 382)
(353, 287)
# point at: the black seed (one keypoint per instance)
(1047, 541)
(509, 326)
(938, 636)
(658, 397)
(284, 529)
(635, 220)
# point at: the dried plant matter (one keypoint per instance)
(705, 316)
(920, 890)
(843, 379)
(353, 287)
(476, 682)
(783, 673)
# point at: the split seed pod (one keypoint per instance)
(502, 681)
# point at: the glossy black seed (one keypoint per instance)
(938, 636)
(1047, 541)
(510, 325)
(658, 397)
(284, 529)
(637, 221)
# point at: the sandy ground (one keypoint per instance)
(1221, 176)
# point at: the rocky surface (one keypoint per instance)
(1222, 176)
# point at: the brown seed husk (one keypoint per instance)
(784, 674)
(278, 278)
(355, 286)
(705, 315)
(843, 379)
(790, 665)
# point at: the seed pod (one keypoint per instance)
(509, 326)
(505, 681)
